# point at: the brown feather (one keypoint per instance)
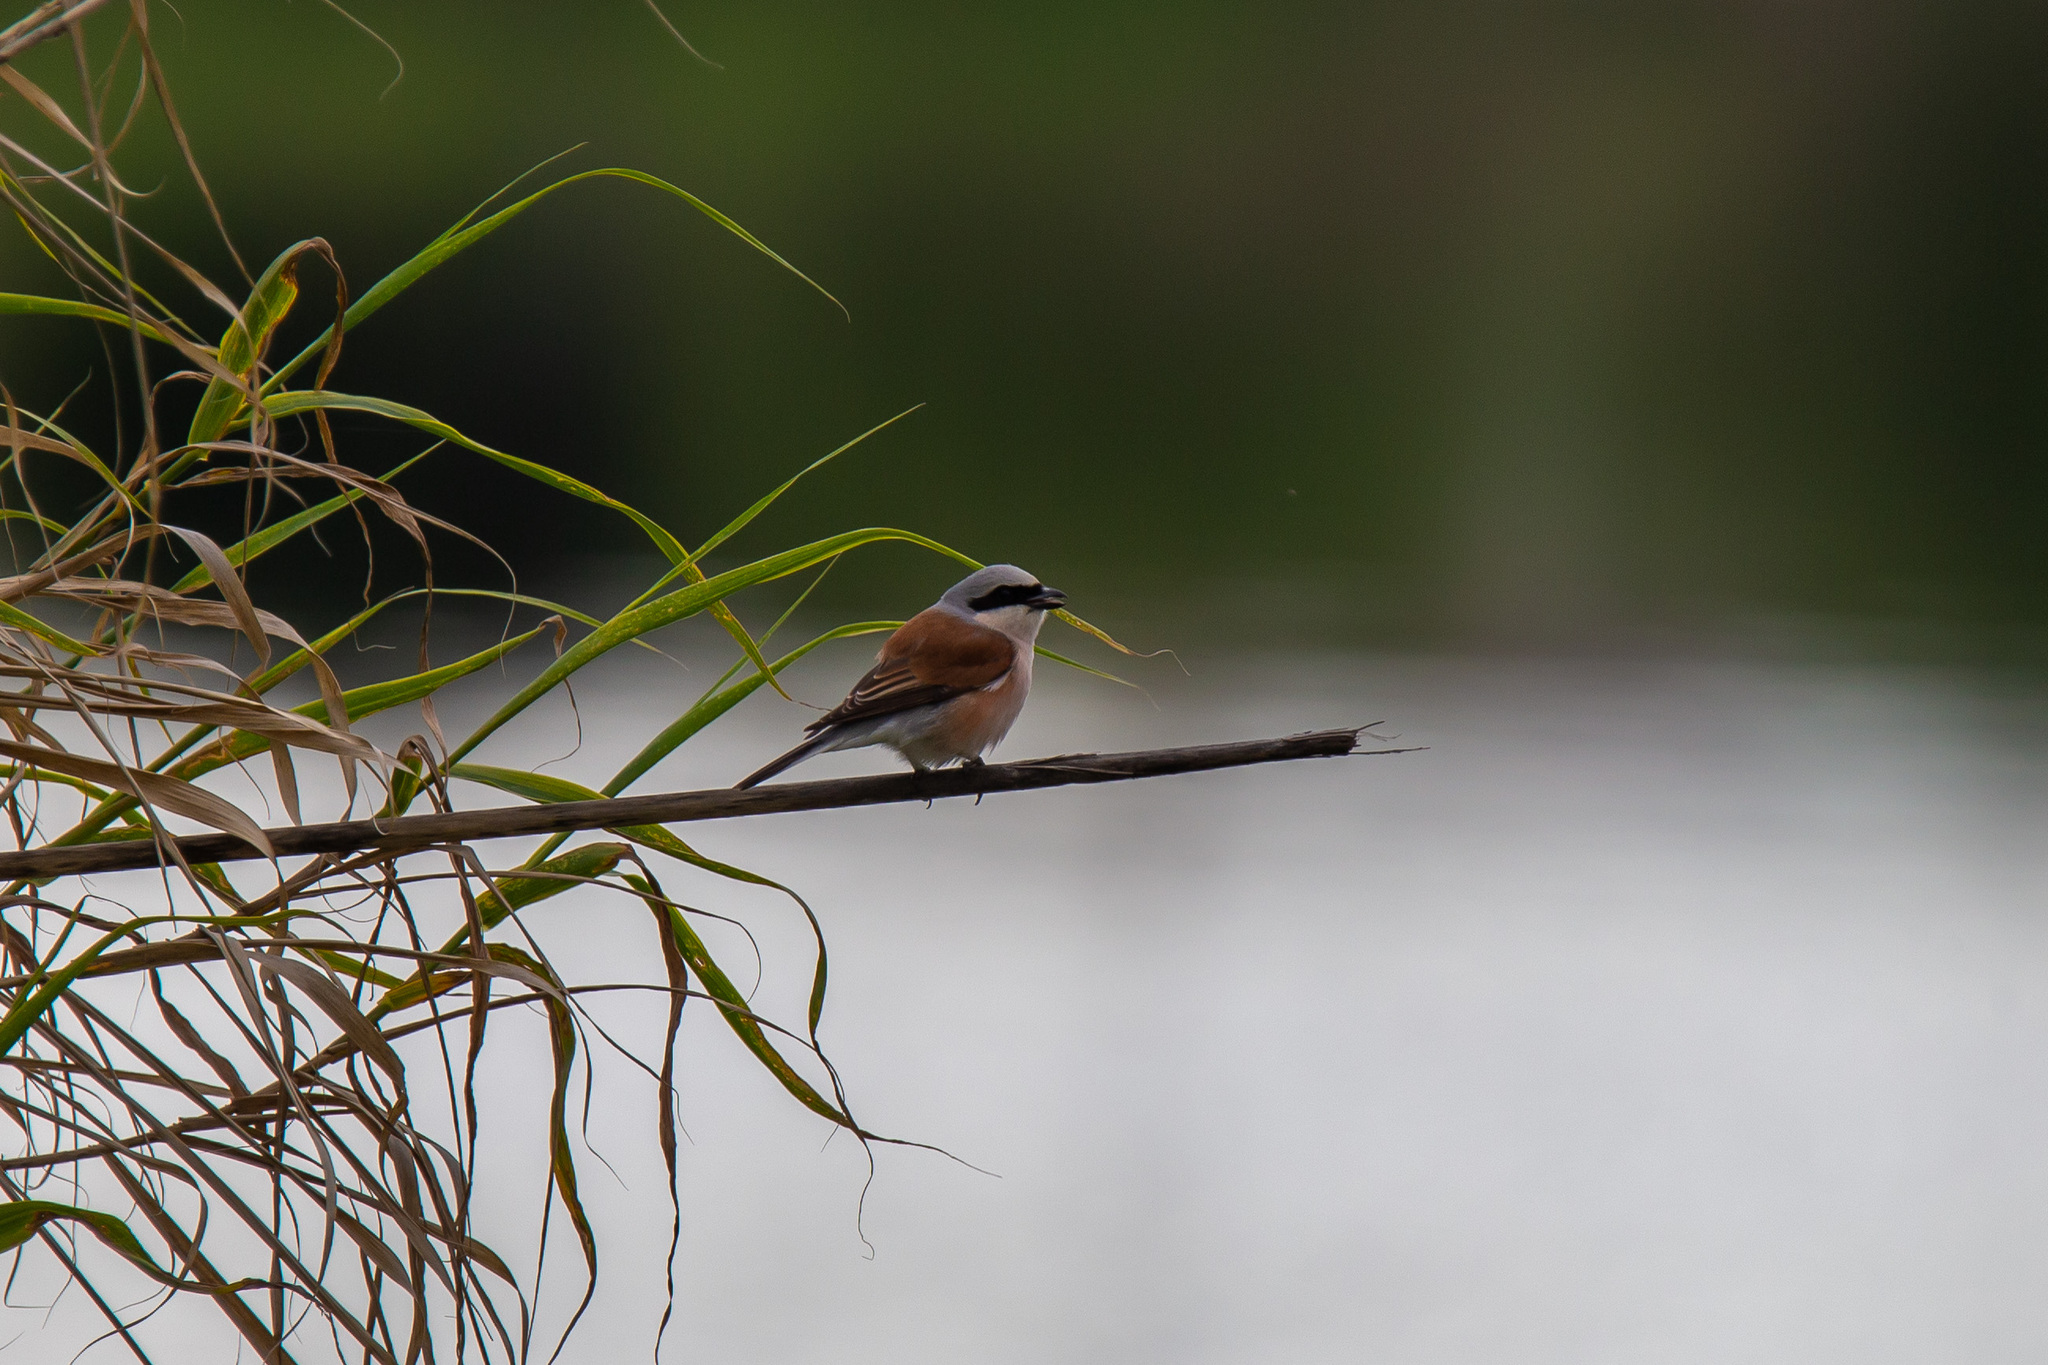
(932, 657)
(979, 719)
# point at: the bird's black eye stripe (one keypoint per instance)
(1007, 595)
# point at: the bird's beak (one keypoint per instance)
(1048, 599)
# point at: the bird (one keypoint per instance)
(948, 684)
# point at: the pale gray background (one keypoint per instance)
(1664, 1011)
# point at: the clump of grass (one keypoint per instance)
(249, 1134)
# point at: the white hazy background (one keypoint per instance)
(1671, 1011)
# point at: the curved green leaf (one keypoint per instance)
(543, 787)
(37, 305)
(733, 1006)
(720, 700)
(1042, 652)
(9, 514)
(308, 400)
(588, 862)
(762, 504)
(272, 536)
(453, 243)
(21, 1219)
(561, 1155)
(362, 701)
(685, 602)
(271, 298)
(311, 400)
(14, 616)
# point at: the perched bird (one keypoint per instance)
(948, 685)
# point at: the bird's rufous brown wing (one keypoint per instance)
(932, 657)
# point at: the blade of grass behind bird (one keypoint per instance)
(722, 699)
(634, 622)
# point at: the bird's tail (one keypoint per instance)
(816, 744)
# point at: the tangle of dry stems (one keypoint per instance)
(256, 1139)
(260, 1096)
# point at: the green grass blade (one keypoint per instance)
(738, 523)
(22, 1219)
(451, 244)
(541, 787)
(510, 185)
(518, 599)
(720, 700)
(14, 616)
(310, 400)
(561, 1155)
(1086, 628)
(110, 270)
(443, 977)
(1042, 652)
(78, 452)
(9, 514)
(37, 305)
(305, 400)
(662, 840)
(270, 537)
(362, 701)
(682, 603)
(733, 1006)
(544, 788)
(273, 296)
(29, 1007)
(587, 861)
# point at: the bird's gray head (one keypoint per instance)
(1004, 596)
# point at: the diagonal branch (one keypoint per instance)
(411, 832)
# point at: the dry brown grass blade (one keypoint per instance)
(323, 992)
(165, 701)
(187, 1250)
(148, 601)
(180, 798)
(45, 21)
(43, 104)
(139, 15)
(231, 587)
(18, 586)
(287, 782)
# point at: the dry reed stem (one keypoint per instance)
(412, 832)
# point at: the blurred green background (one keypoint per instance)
(1551, 324)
